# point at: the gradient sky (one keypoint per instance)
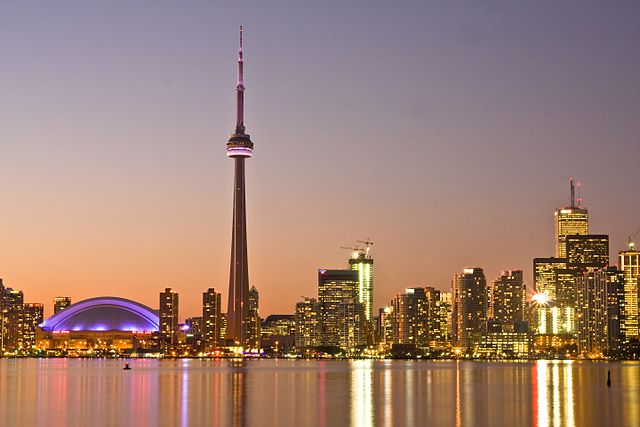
(444, 131)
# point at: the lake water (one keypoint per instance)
(183, 392)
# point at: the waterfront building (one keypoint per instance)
(570, 220)
(31, 316)
(507, 299)
(351, 324)
(239, 148)
(629, 264)
(384, 332)
(411, 315)
(278, 332)
(102, 324)
(194, 335)
(253, 320)
(211, 319)
(11, 318)
(504, 344)
(469, 306)
(307, 321)
(600, 311)
(60, 303)
(334, 287)
(169, 329)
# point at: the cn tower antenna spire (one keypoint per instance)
(240, 91)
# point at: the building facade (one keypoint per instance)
(211, 319)
(469, 306)
(169, 328)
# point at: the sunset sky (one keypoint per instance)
(444, 131)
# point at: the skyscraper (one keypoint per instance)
(60, 303)
(211, 318)
(508, 294)
(239, 147)
(362, 262)
(544, 274)
(469, 306)
(411, 317)
(629, 264)
(570, 220)
(334, 288)
(587, 251)
(169, 319)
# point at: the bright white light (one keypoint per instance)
(541, 298)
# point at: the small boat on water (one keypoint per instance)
(127, 367)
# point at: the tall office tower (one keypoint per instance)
(334, 287)
(239, 147)
(600, 310)
(469, 307)
(587, 251)
(437, 326)
(629, 264)
(253, 320)
(307, 324)
(570, 220)
(169, 319)
(211, 319)
(544, 275)
(60, 303)
(507, 301)
(411, 324)
(32, 315)
(362, 262)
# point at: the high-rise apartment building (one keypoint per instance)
(60, 303)
(169, 329)
(629, 264)
(211, 319)
(32, 315)
(469, 306)
(253, 320)
(600, 310)
(570, 220)
(334, 288)
(307, 320)
(411, 317)
(361, 262)
(11, 306)
(507, 299)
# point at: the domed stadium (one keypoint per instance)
(104, 314)
(102, 324)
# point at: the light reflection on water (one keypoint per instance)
(77, 392)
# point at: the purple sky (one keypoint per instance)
(444, 131)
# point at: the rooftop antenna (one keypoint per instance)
(240, 90)
(579, 195)
(573, 193)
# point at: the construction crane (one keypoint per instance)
(357, 251)
(368, 243)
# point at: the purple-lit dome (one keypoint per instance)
(104, 314)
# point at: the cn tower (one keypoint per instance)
(239, 148)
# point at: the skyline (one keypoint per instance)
(161, 155)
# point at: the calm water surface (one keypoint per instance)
(86, 392)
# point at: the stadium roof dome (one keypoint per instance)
(104, 314)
